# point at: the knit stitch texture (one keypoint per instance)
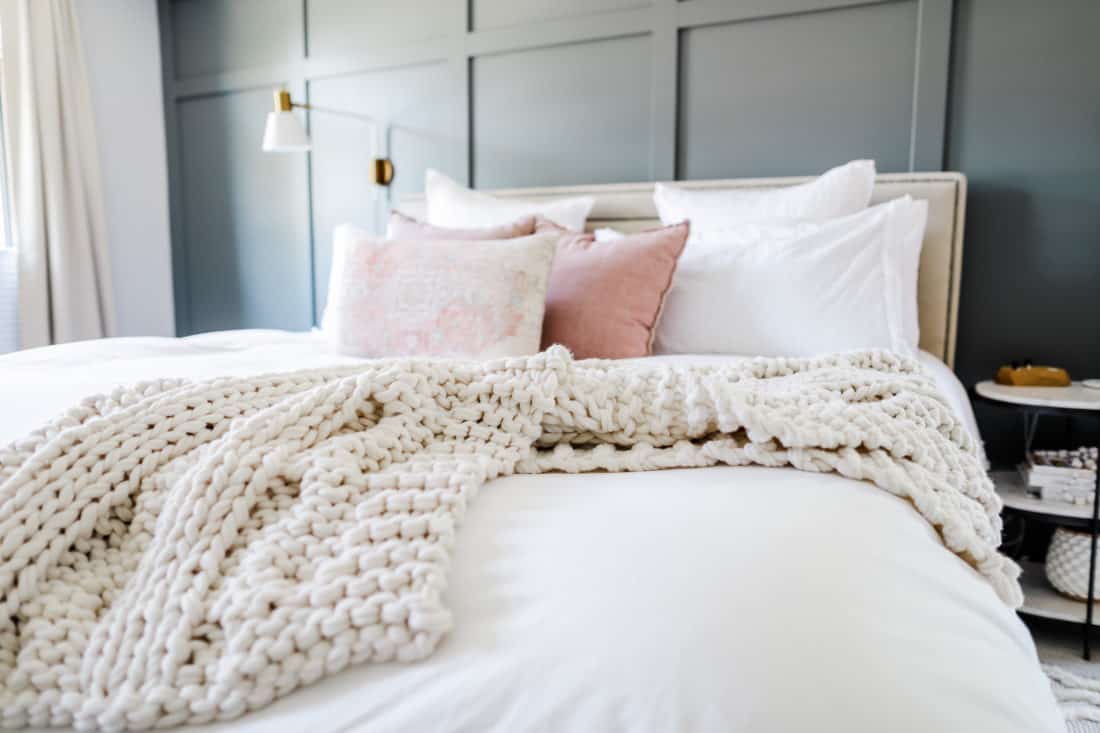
(179, 552)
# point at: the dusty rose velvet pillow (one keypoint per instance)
(406, 227)
(604, 298)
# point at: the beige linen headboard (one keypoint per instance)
(629, 207)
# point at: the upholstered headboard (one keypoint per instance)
(629, 207)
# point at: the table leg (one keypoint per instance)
(1031, 425)
(1092, 566)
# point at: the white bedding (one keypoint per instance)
(742, 598)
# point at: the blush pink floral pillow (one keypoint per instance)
(470, 299)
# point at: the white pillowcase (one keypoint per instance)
(606, 234)
(453, 205)
(911, 239)
(840, 191)
(799, 289)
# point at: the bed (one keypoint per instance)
(724, 598)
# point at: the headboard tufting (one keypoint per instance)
(629, 207)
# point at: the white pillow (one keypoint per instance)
(911, 241)
(453, 205)
(840, 191)
(799, 289)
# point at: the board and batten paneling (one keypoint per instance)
(511, 93)
(342, 28)
(542, 116)
(833, 85)
(487, 14)
(244, 219)
(423, 111)
(226, 36)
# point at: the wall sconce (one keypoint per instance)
(284, 133)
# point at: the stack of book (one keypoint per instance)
(1067, 476)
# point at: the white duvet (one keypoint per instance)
(753, 599)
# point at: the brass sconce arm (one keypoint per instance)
(381, 169)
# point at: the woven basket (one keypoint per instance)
(1068, 564)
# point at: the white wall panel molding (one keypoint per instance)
(523, 92)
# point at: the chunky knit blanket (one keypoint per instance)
(188, 551)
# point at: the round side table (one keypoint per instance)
(1039, 599)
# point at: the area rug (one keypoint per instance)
(1076, 685)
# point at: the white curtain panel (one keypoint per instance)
(53, 176)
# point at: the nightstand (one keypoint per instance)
(1040, 600)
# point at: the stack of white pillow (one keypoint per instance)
(792, 271)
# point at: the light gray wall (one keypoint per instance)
(526, 92)
(122, 46)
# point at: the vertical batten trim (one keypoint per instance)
(181, 286)
(930, 78)
(297, 55)
(665, 91)
(461, 61)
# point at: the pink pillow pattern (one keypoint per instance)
(437, 298)
(406, 227)
(604, 298)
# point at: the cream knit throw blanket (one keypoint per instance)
(188, 551)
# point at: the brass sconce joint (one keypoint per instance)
(282, 100)
(381, 171)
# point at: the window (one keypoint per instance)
(6, 241)
(9, 262)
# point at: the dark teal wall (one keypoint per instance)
(511, 93)
(1024, 125)
(544, 92)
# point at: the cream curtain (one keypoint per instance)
(53, 176)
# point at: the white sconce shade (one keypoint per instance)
(284, 133)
